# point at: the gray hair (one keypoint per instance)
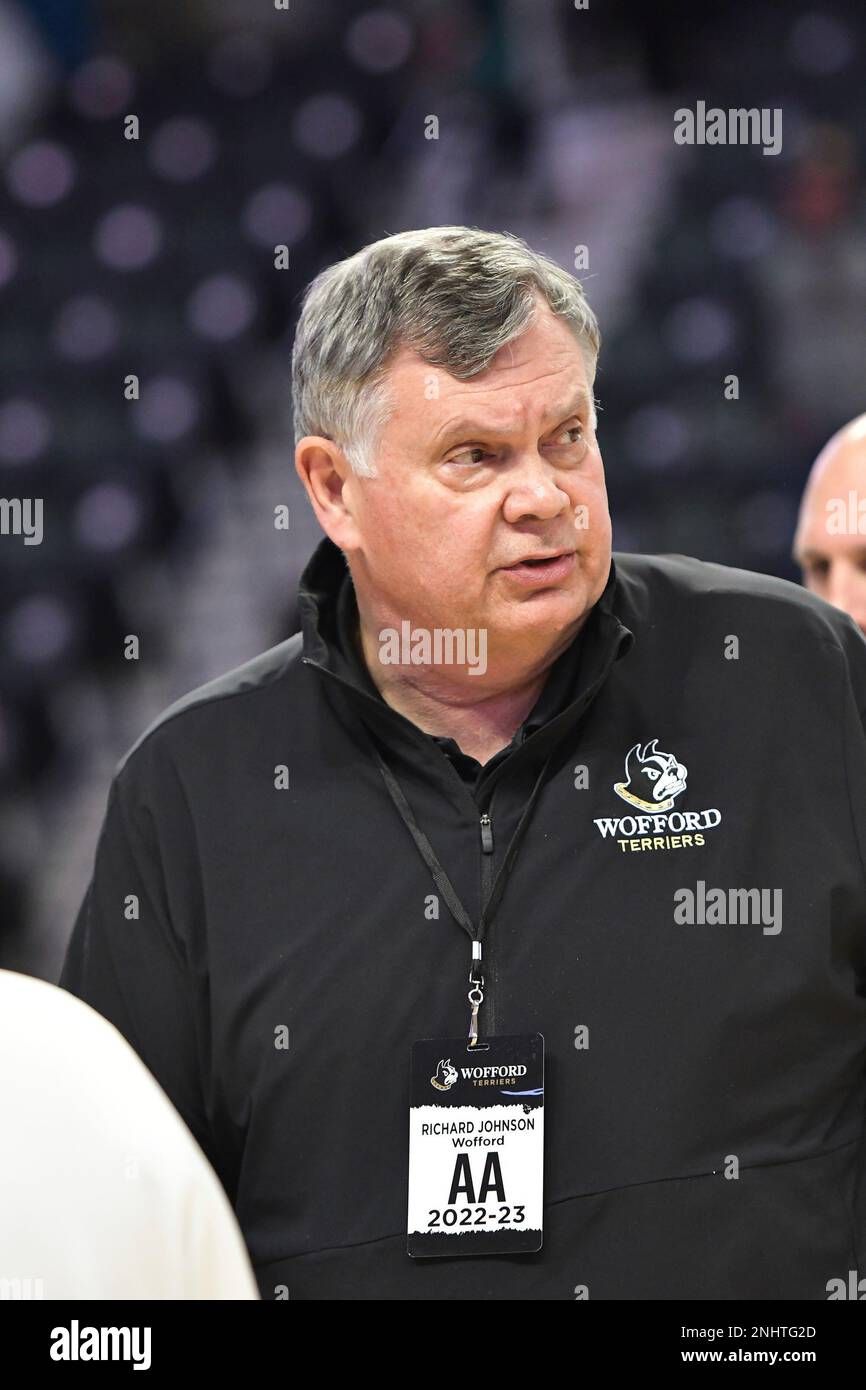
(455, 295)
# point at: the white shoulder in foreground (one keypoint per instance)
(104, 1192)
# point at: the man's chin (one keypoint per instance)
(542, 620)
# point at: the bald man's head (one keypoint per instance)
(830, 542)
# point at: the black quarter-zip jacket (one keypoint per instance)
(261, 927)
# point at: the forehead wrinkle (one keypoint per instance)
(580, 398)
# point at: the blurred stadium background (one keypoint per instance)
(304, 127)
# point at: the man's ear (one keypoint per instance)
(330, 483)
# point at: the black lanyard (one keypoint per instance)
(443, 882)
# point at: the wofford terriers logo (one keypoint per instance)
(653, 781)
(446, 1075)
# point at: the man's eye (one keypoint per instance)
(818, 569)
(571, 435)
(470, 457)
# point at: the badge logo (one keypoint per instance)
(653, 780)
(445, 1075)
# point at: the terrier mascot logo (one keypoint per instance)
(446, 1075)
(653, 780)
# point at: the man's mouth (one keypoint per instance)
(541, 571)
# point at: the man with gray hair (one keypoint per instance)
(442, 857)
(403, 335)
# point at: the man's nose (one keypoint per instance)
(534, 490)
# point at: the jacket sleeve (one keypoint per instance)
(130, 954)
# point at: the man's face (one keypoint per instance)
(476, 475)
(830, 545)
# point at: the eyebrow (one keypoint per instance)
(804, 557)
(472, 429)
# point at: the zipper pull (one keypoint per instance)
(486, 834)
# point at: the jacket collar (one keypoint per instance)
(326, 603)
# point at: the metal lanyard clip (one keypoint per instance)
(476, 993)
